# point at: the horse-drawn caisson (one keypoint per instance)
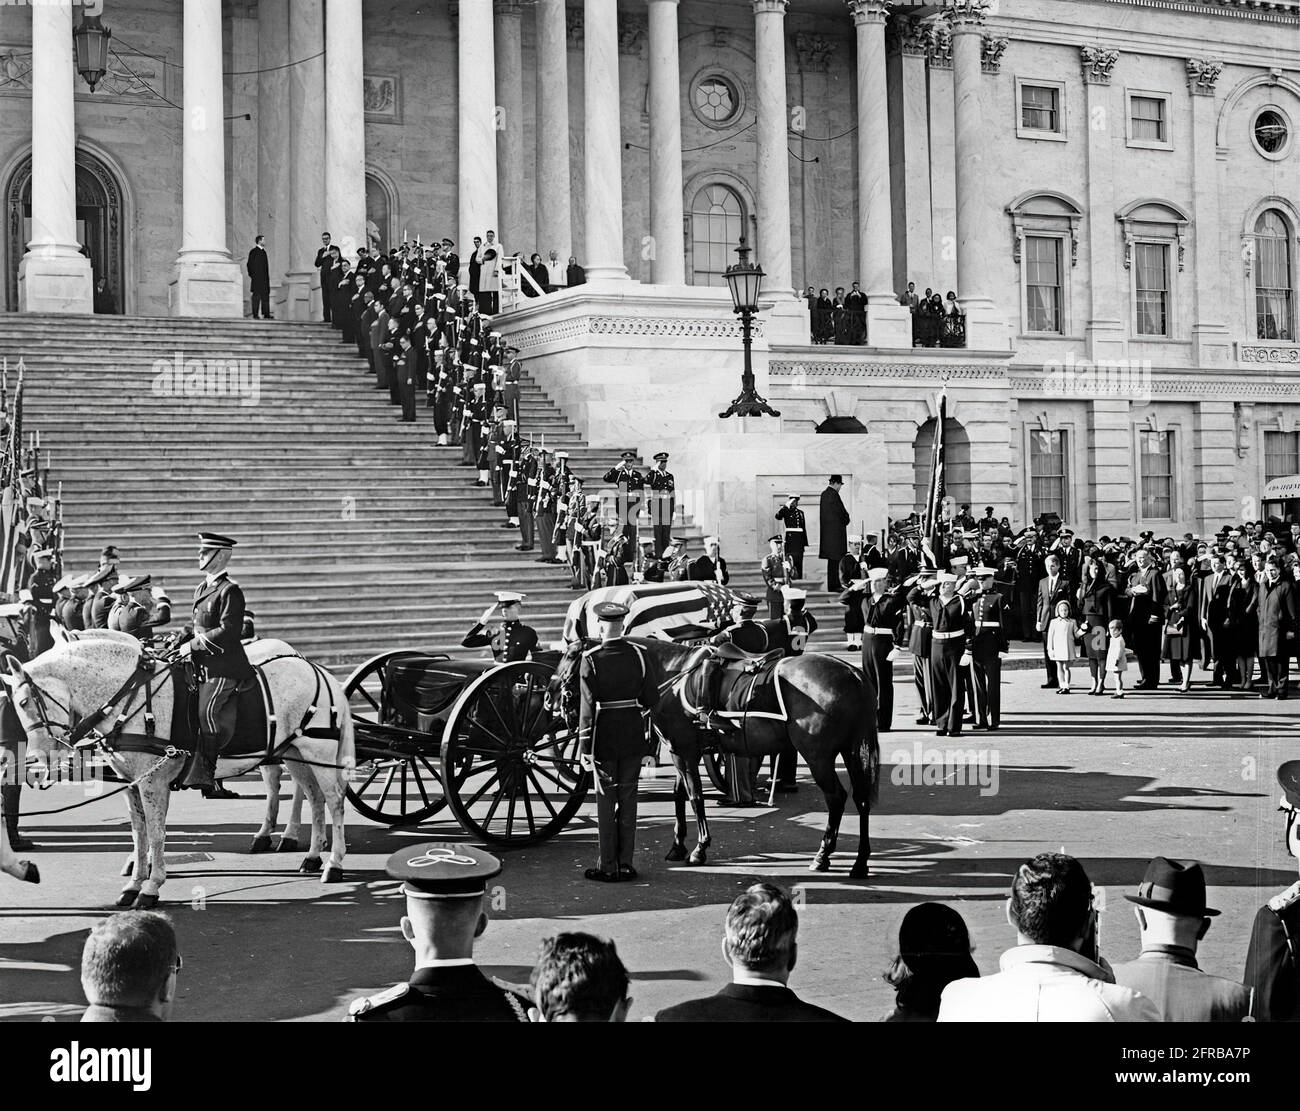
(411, 732)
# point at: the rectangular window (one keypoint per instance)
(1157, 474)
(1040, 108)
(1281, 455)
(1273, 293)
(1147, 119)
(1151, 263)
(1047, 473)
(1043, 293)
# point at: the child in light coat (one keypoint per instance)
(1062, 633)
(1116, 663)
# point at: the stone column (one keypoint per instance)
(943, 162)
(511, 172)
(273, 196)
(668, 267)
(1211, 340)
(986, 328)
(54, 276)
(1105, 331)
(910, 151)
(306, 145)
(205, 281)
(772, 251)
(345, 127)
(889, 324)
(604, 143)
(554, 198)
(476, 66)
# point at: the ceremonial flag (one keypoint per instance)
(663, 610)
(932, 521)
(13, 508)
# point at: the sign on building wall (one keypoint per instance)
(1283, 489)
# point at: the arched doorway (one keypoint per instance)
(381, 212)
(100, 224)
(956, 456)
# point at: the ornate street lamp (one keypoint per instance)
(745, 281)
(91, 41)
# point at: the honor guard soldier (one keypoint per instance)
(404, 371)
(69, 610)
(99, 598)
(630, 483)
(547, 507)
(619, 681)
(663, 502)
(776, 577)
(219, 655)
(41, 585)
(445, 887)
(796, 534)
(791, 633)
(511, 640)
(880, 610)
(710, 567)
(851, 569)
(130, 615)
(1273, 960)
(678, 563)
(646, 568)
(918, 644)
(949, 658)
(988, 643)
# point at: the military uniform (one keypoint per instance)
(219, 613)
(796, 537)
(879, 622)
(631, 484)
(663, 504)
(775, 579)
(69, 613)
(619, 681)
(511, 641)
(460, 993)
(41, 609)
(1273, 960)
(949, 640)
(918, 644)
(988, 639)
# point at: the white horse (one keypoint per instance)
(83, 682)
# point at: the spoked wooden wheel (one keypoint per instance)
(719, 769)
(398, 779)
(512, 768)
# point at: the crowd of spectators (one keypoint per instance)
(842, 319)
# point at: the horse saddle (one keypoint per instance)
(250, 737)
(744, 680)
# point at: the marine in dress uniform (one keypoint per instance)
(796, 534)
(880, 611)
(619, 681)
(949, 644)
(511, 640)
(1273, 960)
(988, 642)
(445, 887)
(663, 502)
(921, 623)
(219, 655)
(631, 484)
(776, 577)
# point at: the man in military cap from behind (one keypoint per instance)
(445, 887)
(1273, 960)
(41, 585)
(99, 598)
(69, 611)
(130, 614)
(511, 640)
(618, 682)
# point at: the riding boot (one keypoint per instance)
(9, 800)
(203, 766)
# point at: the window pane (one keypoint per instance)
(1039, 107)
(1043, 292)
(1047, 477)
(1274, 295)
(1157, 474)
(1148, 118)
(1281, 455)
(716, 226)
(1151, 261)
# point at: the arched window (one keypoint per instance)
(1274, 277)
(717, 223)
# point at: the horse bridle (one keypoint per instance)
(39, 696)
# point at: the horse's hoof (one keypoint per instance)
(126, 899)
(287, 845)
(820, 864)
(128, 868)
(261, 844)
(698, 856)
(146, 902)
(859, 872)
(332, 874)
(677, 852)
(31, 874)
(310, 864)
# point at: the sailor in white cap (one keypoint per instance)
(851, 572)
(881, 611)
(796, 534)
(710, 567)
(949, 652)
(988, 643)
(511, 639)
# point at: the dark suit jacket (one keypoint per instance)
(259, 270)
(705, 570)
(746, 1003)
(1142, 607)
(1048, 599)
(833, 531)
(1273, 967)
(1277, 617)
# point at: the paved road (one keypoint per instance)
(1112, 782)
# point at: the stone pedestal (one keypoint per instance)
(55, 282)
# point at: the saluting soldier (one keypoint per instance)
(880, 611)
(950, 639)
(918, 644)
(776, 577)
(1273, 960)
(630, 483)
(219, 654)
(988, 643)
(619, 682)
(511, 640)
(445, 887)
(663, 501)
(796, 534)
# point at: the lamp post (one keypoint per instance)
(91, 42)
(745, 280)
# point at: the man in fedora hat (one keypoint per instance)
(1273, 960)
(1173, 918)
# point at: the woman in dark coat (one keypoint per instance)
(840, 316)
(1180, 615)
(1097, 609)
(934, 949)
(1242, 625)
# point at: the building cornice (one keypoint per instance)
(1267, 11)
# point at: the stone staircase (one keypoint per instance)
(358, 534)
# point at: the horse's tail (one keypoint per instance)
(868, 754)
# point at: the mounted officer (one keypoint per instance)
(219, 655)
(99, 599)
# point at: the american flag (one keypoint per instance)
(932, 524)
(663, 610)
(13, 509)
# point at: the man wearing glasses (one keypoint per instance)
(129, 968)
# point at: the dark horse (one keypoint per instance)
(829, 712)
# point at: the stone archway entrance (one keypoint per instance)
(100, 224)
(957, 468)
